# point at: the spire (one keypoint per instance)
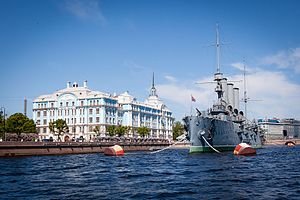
(153, 89)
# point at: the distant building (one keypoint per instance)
(280, 129)
(84, 109)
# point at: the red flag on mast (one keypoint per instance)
(193, 98)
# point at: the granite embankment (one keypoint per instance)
(9, 149)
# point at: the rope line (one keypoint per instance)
(167, 147)
(210, 145)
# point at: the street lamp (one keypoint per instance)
(2, 113)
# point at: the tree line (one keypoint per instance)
(19, 123)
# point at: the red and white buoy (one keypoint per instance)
(244, 149)
(115, 150)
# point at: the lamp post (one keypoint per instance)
(2, 113)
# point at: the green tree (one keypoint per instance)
(111, 130)
(59, 126)
(143, 131)
(2, 127)
(120, 130)
(127, 130)
(178, 130)
(97, 130)
(19, 123)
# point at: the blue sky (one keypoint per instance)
(116, 45)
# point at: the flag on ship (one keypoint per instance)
(193, 98)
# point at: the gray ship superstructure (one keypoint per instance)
(223, 126)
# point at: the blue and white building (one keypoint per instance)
(84, 109)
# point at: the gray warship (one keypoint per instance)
(222, 126)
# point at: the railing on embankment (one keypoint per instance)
(10, 149)
(281, 142)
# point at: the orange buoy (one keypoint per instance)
(115, 150)
(244, 149)
(290, 143)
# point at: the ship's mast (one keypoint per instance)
(218, 75)
(218, 48)
(245, 91)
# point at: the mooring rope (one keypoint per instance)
(167, 147)
(210, 145)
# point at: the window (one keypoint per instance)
(97, 102)
(45, 122)
(52, 105)
(38, 122)
(61, 104)
(90, 120)
(81, 103)
(38, 113)
(82, 120)
(45, 113)
(97, 119)
(90, 128)
(74, 120)
(44, 130)
(97, 110)
(90, 111)
(67, 103)
(73, 103)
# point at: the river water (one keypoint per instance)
(274, 173)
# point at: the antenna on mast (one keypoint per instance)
(246, 98)
(245, 91)
(218, 47)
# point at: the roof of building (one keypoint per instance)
(84, 92)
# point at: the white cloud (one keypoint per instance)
(86, 9)
(240, 66)
(279, 97)
(285, 59)
(170, 78)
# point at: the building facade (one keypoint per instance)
(280, 129)
(84, 110)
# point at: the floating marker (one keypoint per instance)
(290, 143)
(244, 149)
(115, 150)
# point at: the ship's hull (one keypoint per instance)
(207, 132)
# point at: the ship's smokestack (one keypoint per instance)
(224, 89)
(230, 95)
(236, 98)
(68, 84)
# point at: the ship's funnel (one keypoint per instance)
(230, 95)
(236, 98)
(224, 89)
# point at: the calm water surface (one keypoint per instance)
(274, 173)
